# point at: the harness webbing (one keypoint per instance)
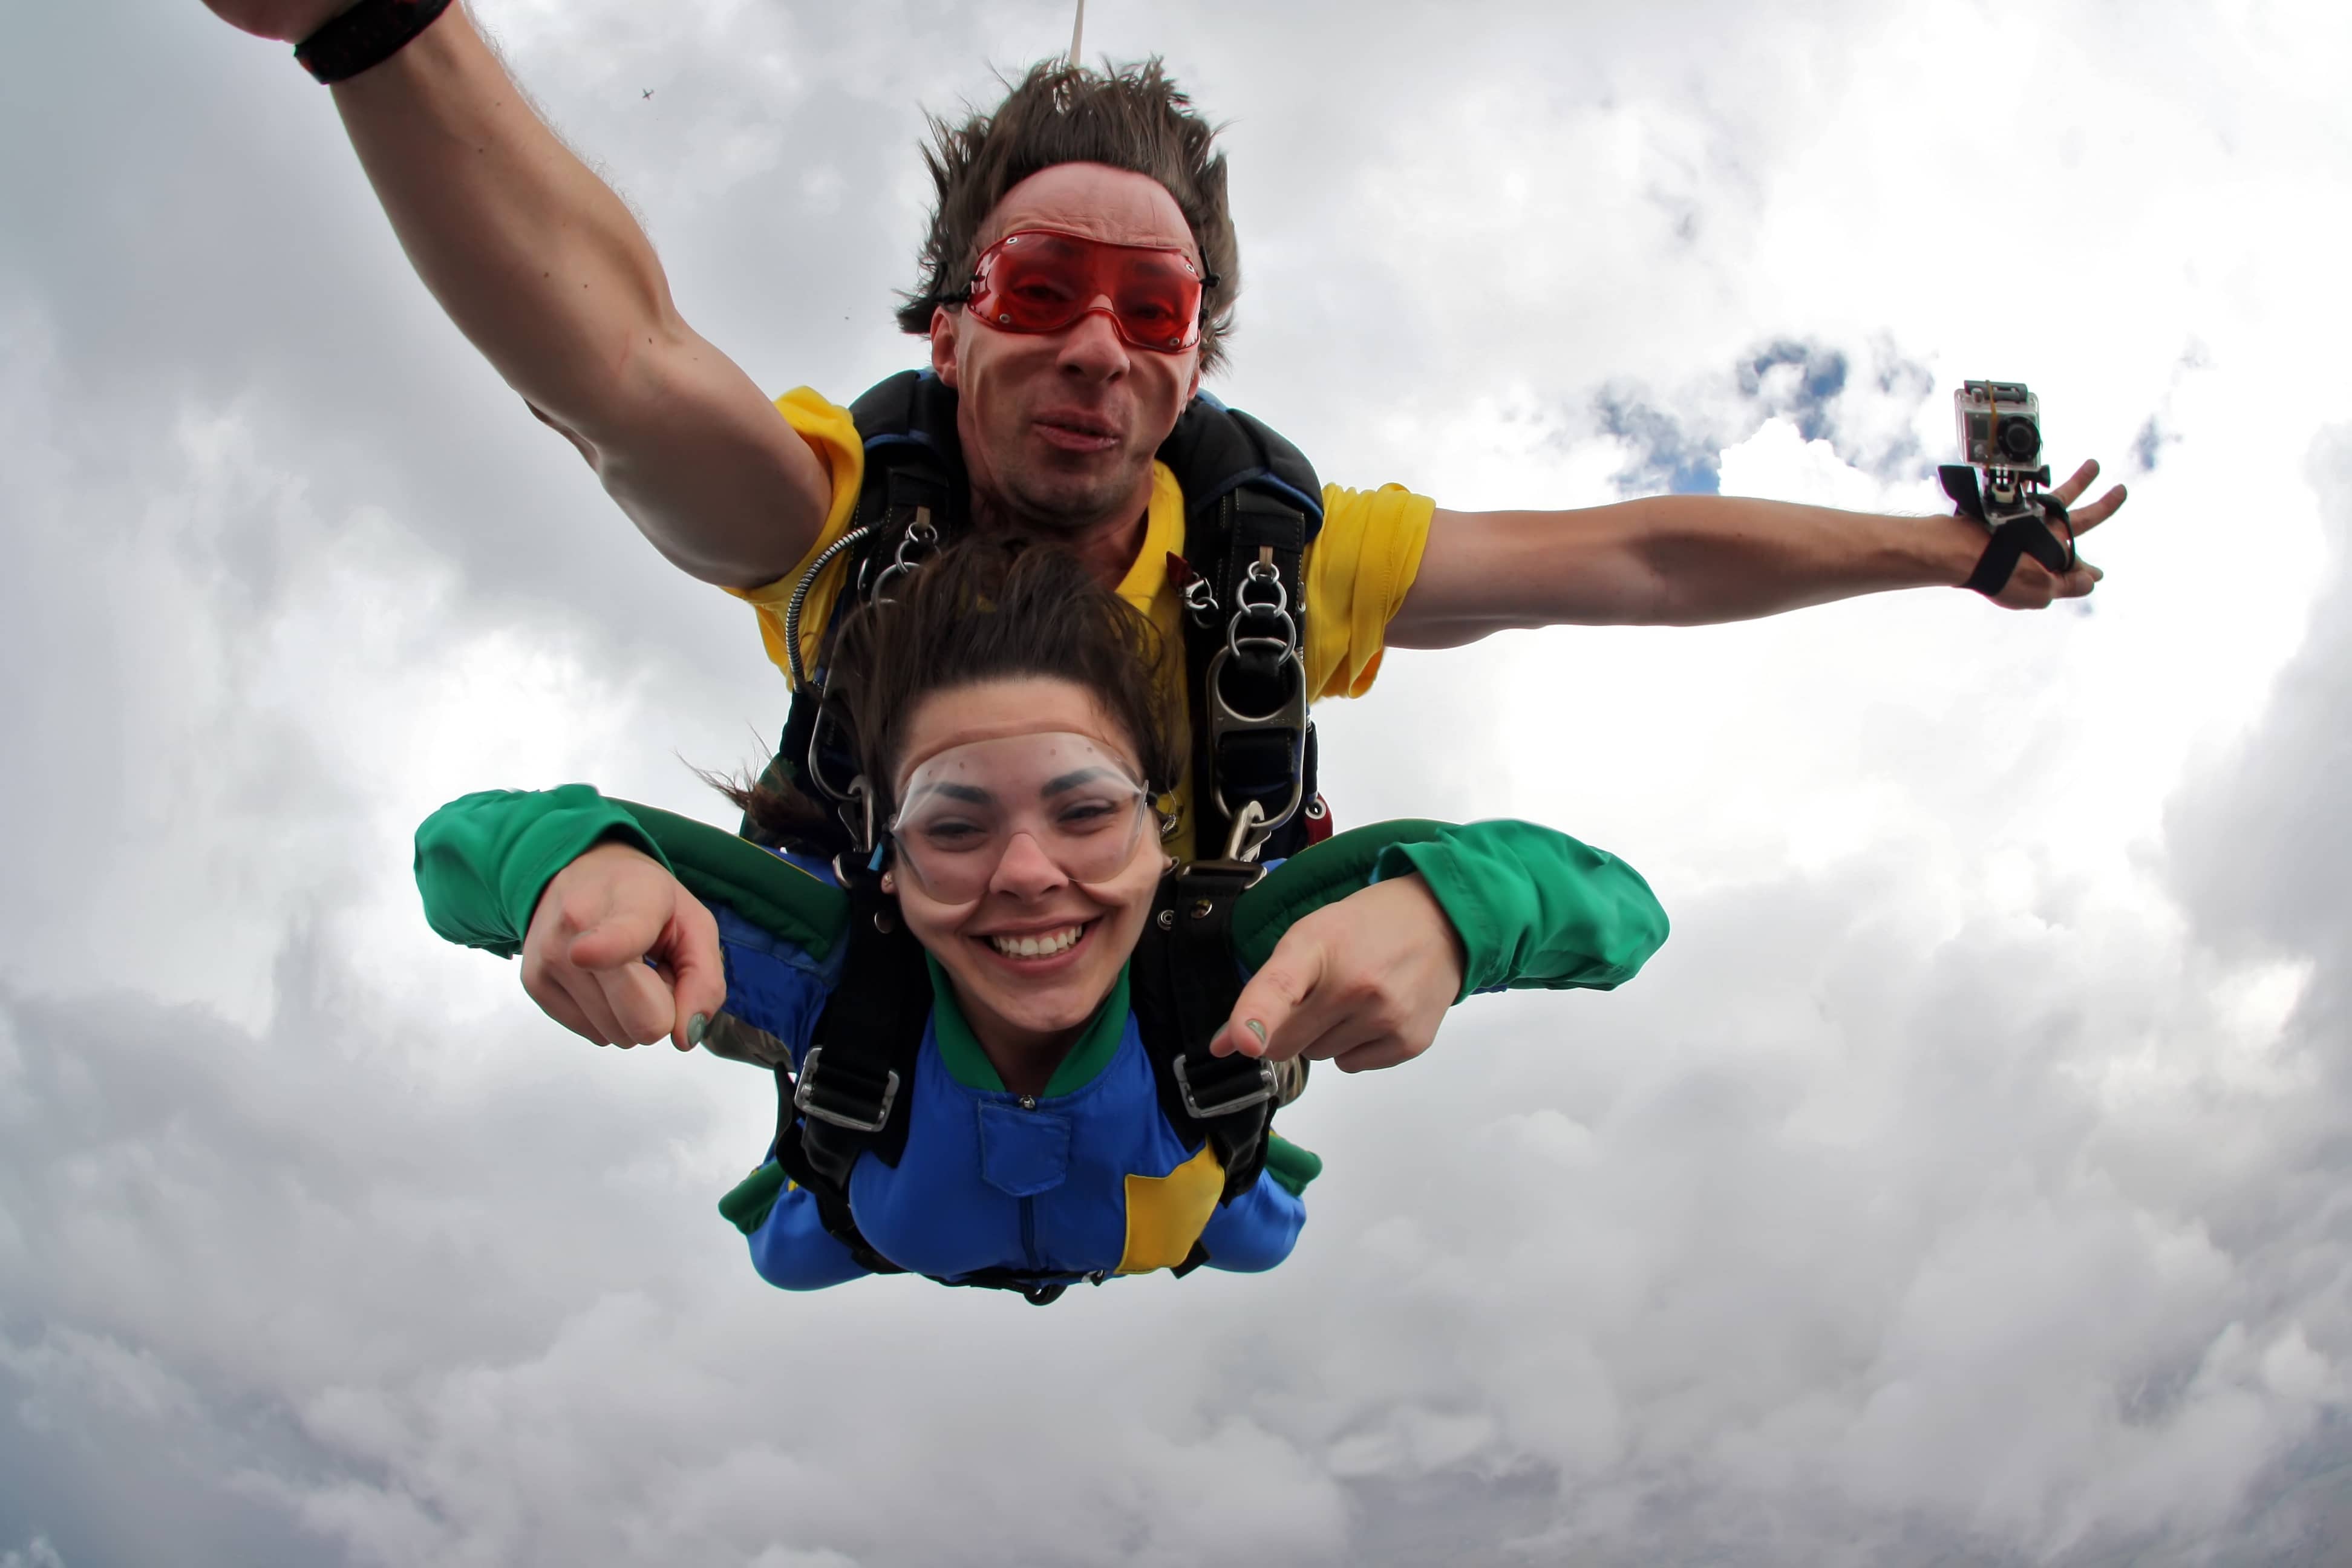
(1183, 982)
(855, 1090)
(1252, 504)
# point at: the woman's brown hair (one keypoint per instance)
(990, 607)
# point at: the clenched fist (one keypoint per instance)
(619, 953)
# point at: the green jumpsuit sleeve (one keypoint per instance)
(1535, 909)
(483, 859)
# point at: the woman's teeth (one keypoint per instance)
(1041, 945)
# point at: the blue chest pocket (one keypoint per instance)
(1023, 1153)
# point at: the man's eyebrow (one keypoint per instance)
(1074, 778)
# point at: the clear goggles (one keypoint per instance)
(1041, 280)
(961, 811)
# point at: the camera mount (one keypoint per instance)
(2001, 433)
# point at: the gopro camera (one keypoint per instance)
(2001, 434)
(2000, 429)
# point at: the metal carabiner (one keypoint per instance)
(920, 535)
(1241, 847)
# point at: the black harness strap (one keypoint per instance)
(914, 500)
(855, 1091)
(856, 1085)
(1184, 981)
(1252, 504)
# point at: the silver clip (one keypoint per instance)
(804, 1097)
(1241, 1101)
(920, 537)
(1241, 846)
(1199, 601)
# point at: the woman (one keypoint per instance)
(994, 1041)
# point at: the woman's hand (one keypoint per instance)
(1361, 984)
(619, 953)
(287, 21)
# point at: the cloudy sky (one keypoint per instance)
(1967, 1181)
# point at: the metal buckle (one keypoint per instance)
(1238, 877)
(1225, 719)
(919, 536)
(1242, 1102)
(805, 1098)
(1281, 636)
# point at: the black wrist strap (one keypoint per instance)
(2018, 537)
(2013, 536)
(367, 34)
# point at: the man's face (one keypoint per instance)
(1059, 428)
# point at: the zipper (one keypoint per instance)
(1029, 1210)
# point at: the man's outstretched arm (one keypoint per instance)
(544, 269)
(1696, 560)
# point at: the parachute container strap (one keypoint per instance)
(855, 1086)
(1252, 505)
(1184, 981)
(913, 474)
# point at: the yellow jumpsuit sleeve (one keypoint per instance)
(1358, 571)
(832, 435)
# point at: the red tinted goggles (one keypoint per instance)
(1041, 280)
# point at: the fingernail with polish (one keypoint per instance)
(696, 1027)
(1254, 1027)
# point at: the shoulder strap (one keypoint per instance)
(1252, 504)
(1184, 983)
(913, 499)
(855, 1085)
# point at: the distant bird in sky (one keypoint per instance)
(647, 93)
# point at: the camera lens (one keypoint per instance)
(2018, 440)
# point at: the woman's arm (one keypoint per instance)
(604, 901)
(1535, 909)
(483, 860)
(1494, 903)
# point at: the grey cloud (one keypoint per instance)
(1675, 440)
(1797, 380)
(1847, 1235)
(1663, 459)
(2259, 852)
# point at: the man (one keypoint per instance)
(1058, 417)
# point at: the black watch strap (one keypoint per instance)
(367, 34)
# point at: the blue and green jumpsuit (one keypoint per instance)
(1088, 1179)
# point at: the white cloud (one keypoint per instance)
(1958, 1182)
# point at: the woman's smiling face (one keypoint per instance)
(992, 836)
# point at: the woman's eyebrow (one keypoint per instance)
(970, 793)
(1074, 778)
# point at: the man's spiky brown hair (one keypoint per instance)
(1130, 117)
